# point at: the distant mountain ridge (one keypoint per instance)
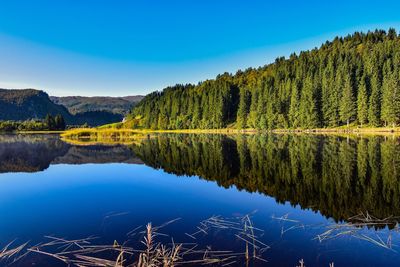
(81, 104)
(26, 104)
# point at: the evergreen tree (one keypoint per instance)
(391, 99)
(347, 103)
(294, 107)
(59, 122)
(243, 108)
(308, 109)
(49, 120)
(374, 111)
(362, 102)
(253, 116)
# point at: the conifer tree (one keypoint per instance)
(374, 111)
(308, 109)
(294, 107)
(243, 108)
(347, 104)
(49, 120)
(391, 99)
(362, 102)
(59, 123)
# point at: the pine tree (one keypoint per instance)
(347, 104)
(59, 122)
(391, 99)
(49, 120)
(253, 116)
(308, 109)
(374, 111)
(243, 108)
(294, 106)
(362, 102)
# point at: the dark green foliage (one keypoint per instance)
(374, 111)
(362, 102)
(59, 123)
(56, 123)
(391, 99)
(308, 109)
(31, 125)
(347, 109)
(211, 104)
(343, 81)
(50, 123)
(243, 109)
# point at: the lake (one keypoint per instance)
(281, 198)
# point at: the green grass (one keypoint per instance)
(88, 136)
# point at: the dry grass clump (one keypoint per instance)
(150, 252)
(355, 228)
(11, 255)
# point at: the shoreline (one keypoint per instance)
(349, 131)
(323, 131)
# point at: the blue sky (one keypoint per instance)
(95, 47)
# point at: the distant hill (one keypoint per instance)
(26, 104)
(81, 104)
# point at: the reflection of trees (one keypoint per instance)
(339, 177)
(29, 153)
(32, 153)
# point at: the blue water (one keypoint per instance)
(108, 200)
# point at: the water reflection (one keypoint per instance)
(337, 176)
(33, 153)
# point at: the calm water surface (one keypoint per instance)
(321, 199)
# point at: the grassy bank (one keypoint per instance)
(110, 133)
(89, 136)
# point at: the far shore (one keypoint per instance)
(339, 130)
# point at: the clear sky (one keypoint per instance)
(116, 47)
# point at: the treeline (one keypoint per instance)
(50, 123)
(355, 79)
(336, 176)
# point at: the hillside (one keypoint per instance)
(80, 104)
(26, 104)
(353, 79)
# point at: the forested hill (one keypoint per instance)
(81, 104)
(27, 104)
(354, 79)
